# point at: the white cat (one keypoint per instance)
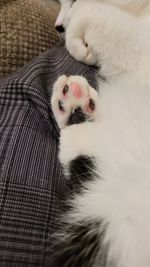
(108, 154)
(136, 7)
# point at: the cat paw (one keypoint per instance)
(80, 50)
(73, 101)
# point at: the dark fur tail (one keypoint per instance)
(81, 246)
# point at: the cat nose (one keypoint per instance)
(60, 28)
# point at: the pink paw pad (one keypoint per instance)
(91, 106)
(76, 90)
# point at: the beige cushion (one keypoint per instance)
(26, 30)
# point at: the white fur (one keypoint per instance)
(136, 7)
(120, 137)
(120, 142)
(65, 7)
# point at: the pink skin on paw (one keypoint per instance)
(91, 106)
(76, 90)
(78, 93)
(88, 109)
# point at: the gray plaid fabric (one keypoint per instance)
(31, 181)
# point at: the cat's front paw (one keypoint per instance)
(73, 101)
(80, 49)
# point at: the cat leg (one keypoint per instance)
(75, 105)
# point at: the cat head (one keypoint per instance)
(131, 6)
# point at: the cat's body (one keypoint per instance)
(109, 224)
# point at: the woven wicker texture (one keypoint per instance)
(26, 30)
